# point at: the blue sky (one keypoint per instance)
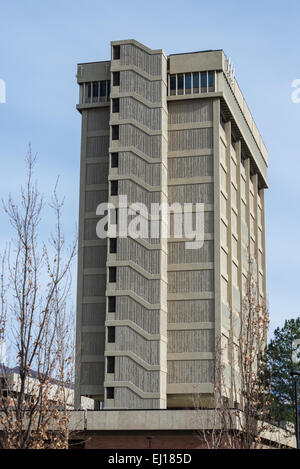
(41, 43)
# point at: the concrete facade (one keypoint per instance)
(158, 429)
(160, 129)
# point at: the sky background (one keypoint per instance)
(41, 43)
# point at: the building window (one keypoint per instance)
(103, 90)
(114, 160)
(113, 187)
(113, 245)
(211, 81)
(112, 274)
(116, 52)
(179, 84)
(110, 393)
(111, 304)
(111, 334)
(110, 364)
(115, 105)
(116, 78)
(203, 82)
(196, 82)
(89, 91)
(188, 83)
(192, 83)
(95, 92)
(113, 216)
(115, 132)
(173, 85)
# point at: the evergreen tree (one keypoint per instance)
(280, 366)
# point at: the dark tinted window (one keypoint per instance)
(114, 160)
(180, 84)
(114, 188)
(115, 105)
(110, 364)
(188, 81)
(102, 88)
(211, 81)
(173, 82)
(110, 393)
(196, 81)
(116, 78)
(95, 90)
(116, 52)
(111, 304)
(115, 132)
(111, 334)
(113, 245)
(112, 274)
(203, 81)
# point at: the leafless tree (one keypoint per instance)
(36, 319)
(254, 384)
(238, 414)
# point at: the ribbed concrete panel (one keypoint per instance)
(129, 309)
(98, 119)
(191, 281)
(97, 173)
(189, 167)
(129, 163)
(131, 136)
(126, 398)
(129, 248)
(92, 374)
(94, 285)
(90, 229)
(93, 314)
(133, 55)
(94, 256)
(145, 288)
(136, 193)
(178, 254)
(97, 146)
(190, 132)
(133, 83)
(131, 108)
(191, 341)
(90, 340)
(191, 311)
(190, 371)
(127, 369)
(128, 339)
(190, 139)
(94, 198)
(140, 339)
(193, 193)
(190, 111)
(208, 222)
(93, 343)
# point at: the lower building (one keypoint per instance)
(164, 429)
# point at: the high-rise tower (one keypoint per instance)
(164, 130)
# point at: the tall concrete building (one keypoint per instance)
(164, 129)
